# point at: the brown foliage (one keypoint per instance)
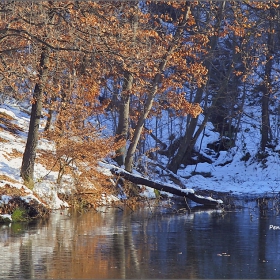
(89, 43)
(10, 190)
(79, 146)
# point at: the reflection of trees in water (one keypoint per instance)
(262, 230)
(169, 247)
(102, 247)
(86, 252)
(142, 244)
(26, 260)
(124, 253)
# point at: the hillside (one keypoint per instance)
(230, 172)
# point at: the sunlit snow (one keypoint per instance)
(228, 173)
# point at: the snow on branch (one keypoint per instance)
(173, 189)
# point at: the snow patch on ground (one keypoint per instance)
(7, 216)
(48, 192)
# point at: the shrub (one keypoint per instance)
(19, 215)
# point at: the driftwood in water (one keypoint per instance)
(166, 188)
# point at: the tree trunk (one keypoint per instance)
(28, 161)
(166, 188)
(189, 149)
(150, 95)
(265, 128)
(265, 119)
(188, 140)
(123, 124)
(139, 126)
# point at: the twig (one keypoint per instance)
(187, 204)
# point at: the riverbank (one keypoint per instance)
(19, 204)
(229, 178)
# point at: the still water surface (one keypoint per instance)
(145, 243)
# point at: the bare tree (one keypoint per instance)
(189, 139)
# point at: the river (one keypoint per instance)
(147, 242)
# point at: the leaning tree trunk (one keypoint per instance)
(187, 151)
(188, 141)
(28, 161)
(139, 126)
(151, 94)
(167, 188)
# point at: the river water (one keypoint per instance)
(149, 242)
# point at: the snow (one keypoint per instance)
(49, 193)
(5, 199)
(210, 198)
(6, 216)
(237, 176)
(228, 172)
(10, 165)
(7, 112)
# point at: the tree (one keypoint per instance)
(267, 84)
(189, 139)
(265, 16)
(16, 28)
(152, 58)
(171, 56)
(28, 161)
(124, 104)
(151, 61)
(36, 27)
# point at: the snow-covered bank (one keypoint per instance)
(231, 173)
(228, 173)
(13, 132)
(14, 123)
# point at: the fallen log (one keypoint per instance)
(188, 193)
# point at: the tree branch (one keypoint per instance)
(173, 189)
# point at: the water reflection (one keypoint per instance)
(117, 243)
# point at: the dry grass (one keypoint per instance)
(47, 159)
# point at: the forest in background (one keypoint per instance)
(129, 79)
